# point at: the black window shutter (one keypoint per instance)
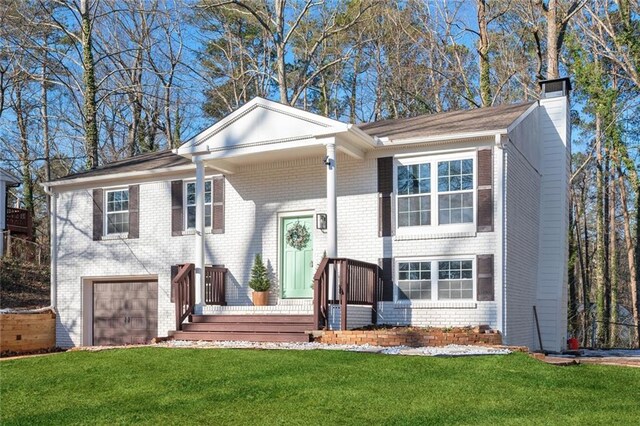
(385, 189)
(485, 190)
(176, 208)
(385, 279)
(217, 205)
(98, 213)
(486, 285)
(134, 215)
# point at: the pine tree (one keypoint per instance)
(259, 280)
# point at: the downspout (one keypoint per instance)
(503, 233)
(53, 245)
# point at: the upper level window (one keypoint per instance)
(435, 191)
(414, 195)
(117, 216)
(455, 191)
(190, 203)
(450, 280)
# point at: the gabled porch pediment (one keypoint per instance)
(262, 130)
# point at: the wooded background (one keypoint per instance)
(87, 82)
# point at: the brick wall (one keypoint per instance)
(254, 198)
(411, 336)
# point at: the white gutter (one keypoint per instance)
(503, 239)
(53, 245)
(441, 138)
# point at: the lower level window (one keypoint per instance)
(452, 281)
(455, 280)
(414, 281)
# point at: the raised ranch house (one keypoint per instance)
(445, 220)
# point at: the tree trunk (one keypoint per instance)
(90, 108)
(613, 262)
(483, 52)
(23, 130)
(602, 320)
(44, 112)
(280, 52)
(571, 270)
(552, 40)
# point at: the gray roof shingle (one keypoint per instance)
(453, 122)
(139, 163)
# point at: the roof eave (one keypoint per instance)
(385, 141)
(117, 176)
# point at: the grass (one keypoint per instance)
(191, 386)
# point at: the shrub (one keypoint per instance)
(259, 278)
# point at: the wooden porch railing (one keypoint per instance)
(354, 283)
(19, 221)
(184, 292)
(214, 277)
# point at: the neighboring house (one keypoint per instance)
(462, 216)
(11, 219)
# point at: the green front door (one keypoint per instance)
(297, 258)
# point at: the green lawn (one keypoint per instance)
(189, 386)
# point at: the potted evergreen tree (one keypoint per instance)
(259, 282)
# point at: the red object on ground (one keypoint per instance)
(573, 343)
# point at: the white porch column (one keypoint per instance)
(332, 210)
(199, 260)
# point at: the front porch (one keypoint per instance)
(344, 297)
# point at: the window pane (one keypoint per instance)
(414, 281)
(207, 216)
(191, 194)
(207, 192)
(118, 201)
(455, 279)
(191, 216)
(117, 222)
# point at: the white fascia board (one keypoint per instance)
(118, 176)
(9, 178)
(442, 138)
(523, 116)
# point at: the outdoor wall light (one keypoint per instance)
(321, 221)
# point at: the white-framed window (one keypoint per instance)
(117, 211)
(190, 204)
(435, 191)
(435, 279)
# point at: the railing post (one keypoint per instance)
(374, 295)
(344, 289)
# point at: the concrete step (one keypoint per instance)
(255, 319)
(240, 336)
(247, 327)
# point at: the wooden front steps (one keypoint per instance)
(249, 328)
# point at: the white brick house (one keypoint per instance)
(464, 212)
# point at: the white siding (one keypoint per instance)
(554, 218)
(522, 229)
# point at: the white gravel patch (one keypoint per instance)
(450, 350)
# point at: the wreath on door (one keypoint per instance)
(298, 236)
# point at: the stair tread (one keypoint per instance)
(278, 319)
(241, 336)
(247, 327)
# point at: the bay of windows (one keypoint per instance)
(435, 280)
